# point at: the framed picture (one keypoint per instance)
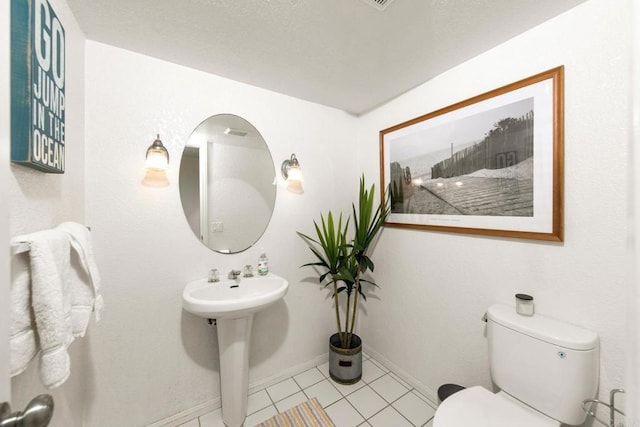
(490, 165)
(38, 107)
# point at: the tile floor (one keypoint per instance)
(380, 399)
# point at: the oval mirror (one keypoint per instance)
(227, 183)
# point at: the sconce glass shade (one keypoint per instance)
(155, 178)
(292, 173)
(156, 163)
(291, 170)
(295, 174)
(157, 157)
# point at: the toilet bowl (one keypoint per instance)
(543, 367)
(478, 407)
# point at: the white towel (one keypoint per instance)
(85, 283)
(51, 304)
(22, 342)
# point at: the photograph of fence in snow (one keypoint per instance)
(489, 165)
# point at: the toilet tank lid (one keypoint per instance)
(550, 330)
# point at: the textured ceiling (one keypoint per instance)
(341, 53)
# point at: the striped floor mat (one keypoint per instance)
(306, 414)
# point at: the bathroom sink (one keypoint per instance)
(233, 303)
(233, 298)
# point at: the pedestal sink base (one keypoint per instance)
(234, 336)
(233, 303)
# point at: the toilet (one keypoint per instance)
(543, 367)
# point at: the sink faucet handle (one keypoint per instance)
(248, 270)
(213, 275)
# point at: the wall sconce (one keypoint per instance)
(292, 173)
(157, 156)
(156, 163)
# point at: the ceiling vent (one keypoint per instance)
(378, 4)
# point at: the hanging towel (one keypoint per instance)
(22, 341)
(50, 302)
(85, 282)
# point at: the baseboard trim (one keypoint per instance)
(294, 370)
(404, 376)
(189, 414)
(212, 405)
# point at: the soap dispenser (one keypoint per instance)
(263, 264)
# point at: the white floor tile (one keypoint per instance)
(387, 387)
(370, 371)
(347, 389)
(192, 423)
(291, 401)
(366, 401)
(365, 356)
(260, 416)
(212, 419)
(344, 415)
(389, 417)
(425, 398)
(324, 369)
(414, 409)
(400, 380)
(324, 392)
(381, 399)
(257, 401)
(308, 378)
(379, 365)
(283, 389)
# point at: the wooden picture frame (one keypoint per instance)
(490, 165)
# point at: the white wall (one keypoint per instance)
(151, 360)
(39, 200)
(436, 286)
(633, 373)
(5, 136)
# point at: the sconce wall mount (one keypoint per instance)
(292, 173)
(290, 169)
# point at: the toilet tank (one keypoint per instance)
(548, 364)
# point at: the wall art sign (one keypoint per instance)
(38, 106)
(490, 165)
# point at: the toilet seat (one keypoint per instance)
(478, 407)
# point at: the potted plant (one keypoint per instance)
(343, 261)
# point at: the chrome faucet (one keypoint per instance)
(234, 274)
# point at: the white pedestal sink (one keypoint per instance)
(233, 303)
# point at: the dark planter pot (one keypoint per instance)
(345, 364)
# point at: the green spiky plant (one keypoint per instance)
(343, 261)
